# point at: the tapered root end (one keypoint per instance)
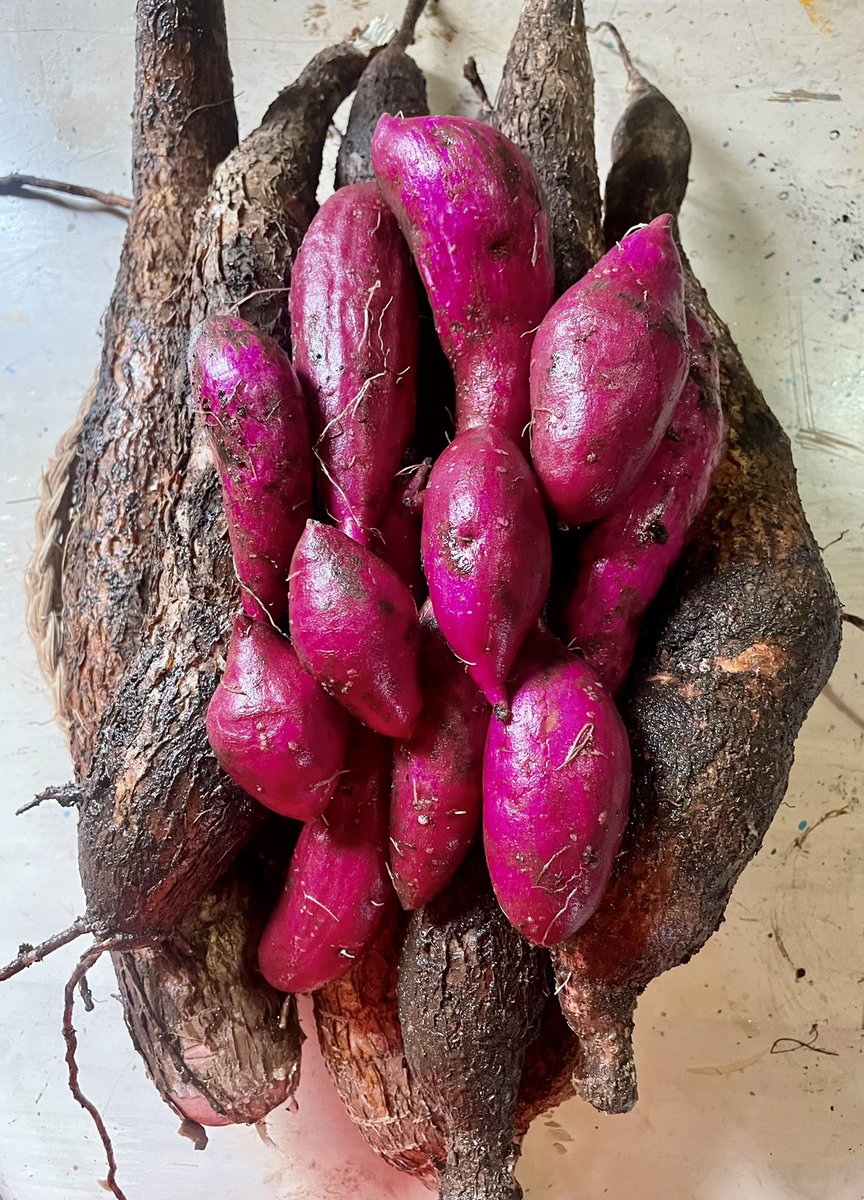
(478, 1177)
(601, 1016)
(605, 1074)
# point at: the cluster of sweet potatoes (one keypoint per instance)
(468, 550)
(610, 395)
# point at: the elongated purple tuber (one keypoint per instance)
(609, 362)
(354, 627)
(250, 398)
(556, 784)
(469, 204)
(437, 793)
(273, 728)
(354, 330)
(626, 556)
(397, 536)
(337, 895)
(486, 554)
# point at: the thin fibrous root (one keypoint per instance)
(69, 795)
(633, 73)
(472, 74)
(28, 955)
(78, 978)
(23, 185)
(851, 619)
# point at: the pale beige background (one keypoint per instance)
(773, 223)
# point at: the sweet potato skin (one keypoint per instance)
(556, 781)
(354, 331)
(355, 629)
(486, 554)
(609, 362)
(337, 895)
(627, 555)
(273, 728)
(249, 396)
(436, 799)
(397, 536)
(469, 204)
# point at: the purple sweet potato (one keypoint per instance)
(354, 330)
(273, 728)
(250, 398)
(469, 204)
(486, 554)
(626, 556)
(397, 536)
(437, 797)
(556, 782)
(609, 362)
(355, 629)
(337, 895)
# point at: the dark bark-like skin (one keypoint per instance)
(650, 157)
(184, 124)
(160, 822)
(546, 106)
(357, 1018)
(198, 1010)
(200, 987)
(361, 1042)
(263, 198)
(735, 650)
(391, 83)
(471, 996)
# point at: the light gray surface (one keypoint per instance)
(773, 222)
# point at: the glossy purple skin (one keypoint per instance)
(556, 785)
(626, 556)
(486, 554)
(609, 362)
(246, 389)
(355, 629)
(469, 204)
(354, 329)
(437, 794)
(337, 896)
(397, 539)
(273, 728)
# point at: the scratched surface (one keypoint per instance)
(751, 1058)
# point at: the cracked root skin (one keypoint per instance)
(546, 106)
(734, 652)
(124, 476)
(199, 1012)
(471, 996)
(360, 1037)
(160, 821)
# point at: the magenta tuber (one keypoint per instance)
(626, 556)
(337, 895)
(469, 204)
(556, 783)
(609, 362)
(354, 330)
(437, 796)
(272, 727)
(355, 629)
(250, 398)
(486, 554)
